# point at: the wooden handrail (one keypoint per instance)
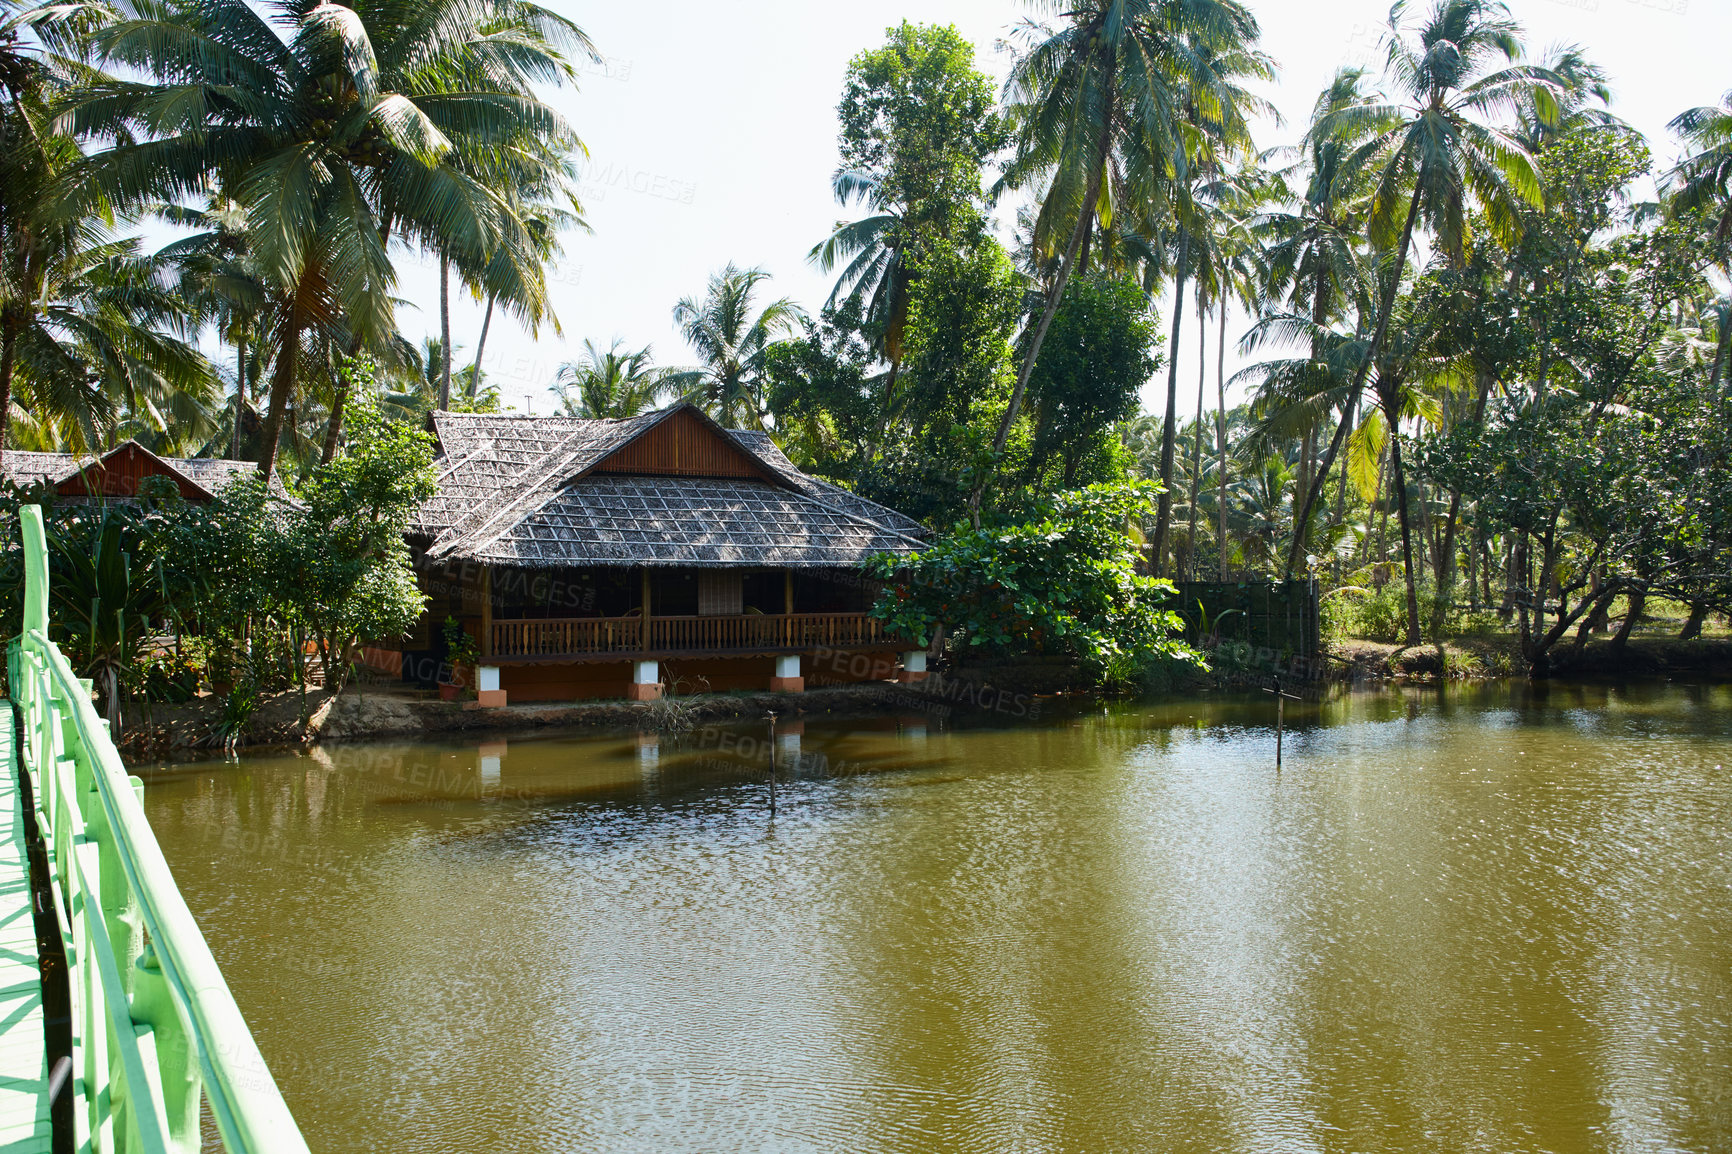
(726, 633)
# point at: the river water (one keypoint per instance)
(1481, 919)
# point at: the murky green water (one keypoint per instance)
(1480, 921)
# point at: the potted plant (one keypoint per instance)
(461, 655)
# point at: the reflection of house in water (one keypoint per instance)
(614, 558)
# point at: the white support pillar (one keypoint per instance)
(787, 678)
(488, 695)
(913, 666)
(645, 681)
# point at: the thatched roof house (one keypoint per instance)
(611, 557)
(119, 473)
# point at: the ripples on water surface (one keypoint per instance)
(1477, 921)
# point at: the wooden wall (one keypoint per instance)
(121, 473)
(682, 445)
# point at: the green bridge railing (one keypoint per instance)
(154, 1026)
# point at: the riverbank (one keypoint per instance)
(1012, 691)
(1008, 690)
(1497, 656)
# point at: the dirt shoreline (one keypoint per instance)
(1009, 691)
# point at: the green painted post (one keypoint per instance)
(153, 1006)
(35, 568)
(120, 914)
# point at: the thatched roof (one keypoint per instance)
(203, 477)
(542, 491)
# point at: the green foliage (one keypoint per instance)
(1063, 582)
(460, 648)
(919, 118)
(966, 301)
(1098, 354)
(343, 548)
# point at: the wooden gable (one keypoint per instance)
(684, 444)
(121, 472)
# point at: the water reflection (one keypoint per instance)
(1483, 918)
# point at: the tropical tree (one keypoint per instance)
(611, 382)
(1430, 157)
(1098, 114)
(732, 338)
(1703, 180)
(340, 130)
(917, 123)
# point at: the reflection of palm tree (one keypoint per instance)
(611, 383)
(732, 342)
(1425, 154)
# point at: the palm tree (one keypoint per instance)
(38, 227)
(1216, 110)
(1429, 157)
(876, 277)
(1106, 93)
(104, 349)
(731, 342)
(219, 283)
(545, 218)
(339, 129)
(610, 383)
(1703, 180)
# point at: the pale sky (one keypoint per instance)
(712, 137)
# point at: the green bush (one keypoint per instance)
(1064, 583)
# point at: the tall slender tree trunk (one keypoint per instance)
(1377, 336)
(444, 331)
(8, 351)
(334, 426)
(1197, 446)
(1221, 444)
(240, 397)
(1722, 351)
(1169, 430)
(1085, 221)
(1693, 624)
(1413, 637)
(481, 348)
(282, 384)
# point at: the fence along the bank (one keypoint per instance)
(154, 1026)
(1281, 616)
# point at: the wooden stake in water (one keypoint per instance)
(772, 765)
(1280, 717)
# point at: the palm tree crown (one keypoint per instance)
(611, 382)
(731, 340)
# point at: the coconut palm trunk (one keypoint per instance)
(1385, 308)
(1164, 511)
(1197, 441)
(1221, 445)
(1400, 480)
(481, 347)
(8, 351)
(282, 384)
(240, 396)
(444, 331)
(1085, 220)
